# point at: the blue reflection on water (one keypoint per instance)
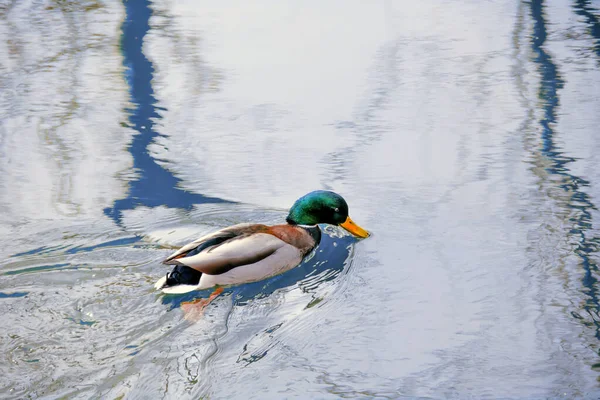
(111, 243)
(40, 250)
(13, 295)
(40, 268)
(550, 84)
(583, 8)
(154, 186)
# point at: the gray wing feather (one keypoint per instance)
(218, 236)
(226, 249)
(233, 253)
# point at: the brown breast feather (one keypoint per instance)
(294, 235)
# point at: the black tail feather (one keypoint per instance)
(183, 275)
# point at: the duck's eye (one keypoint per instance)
(336, 209)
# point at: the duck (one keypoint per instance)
(249, 252)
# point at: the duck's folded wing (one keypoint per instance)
(213, 239)
(199, 245)
(236, 252)
(226, 249)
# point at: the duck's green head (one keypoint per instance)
(323, 207)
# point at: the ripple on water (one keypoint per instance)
(469, 147)
(103, 318)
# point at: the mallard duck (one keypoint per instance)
(252, 252)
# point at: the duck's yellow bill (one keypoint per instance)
(354, 229)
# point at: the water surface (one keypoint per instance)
(463, 135)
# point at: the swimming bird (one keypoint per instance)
(252, 252)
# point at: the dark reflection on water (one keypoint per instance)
(14, 294)
(112, 243)
(583, 8)
(154, 186)
(578, 200)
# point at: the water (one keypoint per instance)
(462, 134)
